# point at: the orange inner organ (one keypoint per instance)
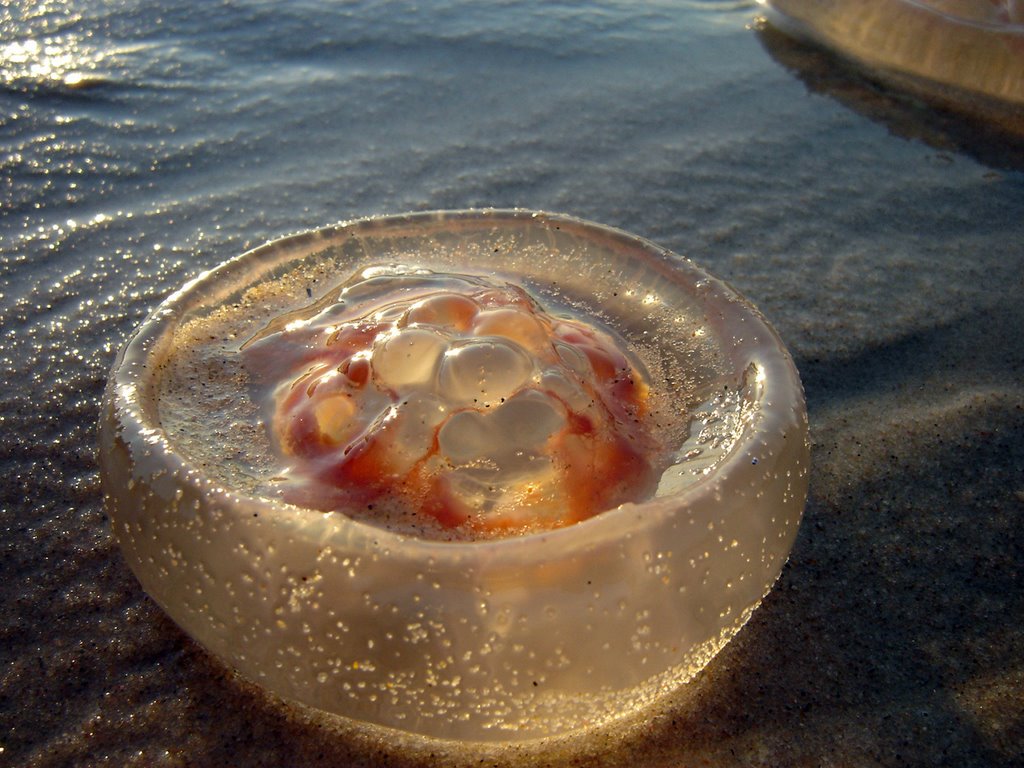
(457, 400)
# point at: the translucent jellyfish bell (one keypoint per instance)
(965, 54)
(510, 638)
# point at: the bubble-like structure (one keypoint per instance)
(517, 630)
(968, 54)
(453, 403)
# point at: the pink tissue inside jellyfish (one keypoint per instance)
(452, 402)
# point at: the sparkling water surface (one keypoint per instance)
(141, 143)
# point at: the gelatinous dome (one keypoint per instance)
(502, 639)
(453, 406)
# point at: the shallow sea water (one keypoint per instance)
(141, 143)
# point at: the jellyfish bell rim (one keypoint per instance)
(782, 390)
(1012, 27)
